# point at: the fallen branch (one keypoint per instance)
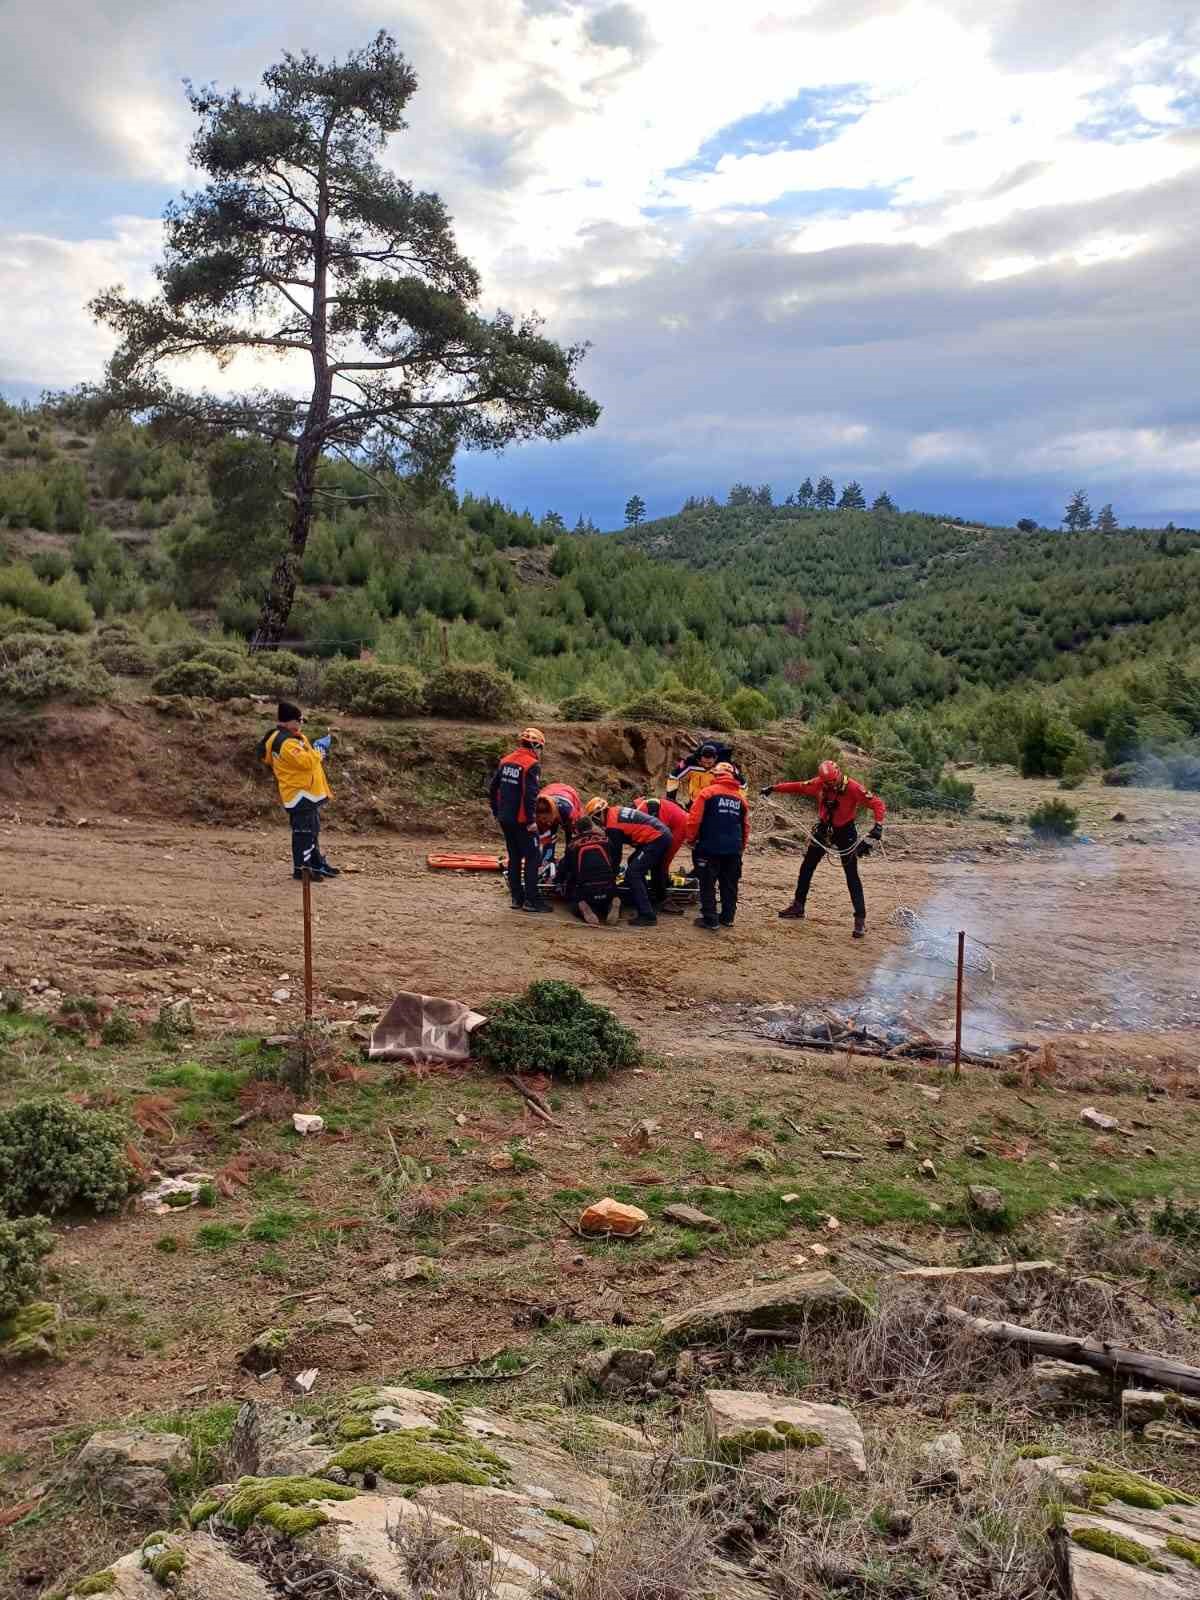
(1161, 1372)
(532, 1099)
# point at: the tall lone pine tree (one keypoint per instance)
(302, 247)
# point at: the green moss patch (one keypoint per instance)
(165, 1565)
(779, 1436)
(99, 1583)
(1034, 1452)
(1116, 1546)
(254, 1496)
(355, 1427)
(569, 1519)
(1110, 1483)
(421, 1456)
(1185, 1549)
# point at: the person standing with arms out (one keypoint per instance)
(650, 838)
(839, 800)
(675, 818)
(299, 771)
(718, 826)
(513, 794)
(587, 881)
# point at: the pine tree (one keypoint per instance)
(304, 246)
(805, 495)
(554, 522)
(825, 495)
(635, 510)
(1106, 522)
(1078, 514)
(741, 495)
(883, 503)
(764, 495)
(853, 498)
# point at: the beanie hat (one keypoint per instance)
(288, 712)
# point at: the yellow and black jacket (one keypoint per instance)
(298, 768)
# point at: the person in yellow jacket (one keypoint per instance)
(299, 769)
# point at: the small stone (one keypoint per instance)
(928, 1092)
(818, 1250)
(422, 1268)
(789, 1199)
(305, 1124)
(987, 1201)
(1068, 1383)
(1098, 1119)
(281, 996)
(977, 1152)
(799, 1300)
(262, 1354)
(614, 1371)
(611, 1217)
(831, 1225)
(943, 1458)
(763, 1160)
(303, 1381)
(927, 1169)
(689, 1217)
(794, 1439)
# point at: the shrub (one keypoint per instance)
(201, 678)
(127, 658)
(273, 672)
(1075, 769)
(483, 694)
(374, 690)
(54, 1154)
(35, 667)
(551, 1028)
(119, 1028)
(63, 603)
(584, 706)
(1054, 819)
(1047, 742)
(803, 761)
(50, 565)
(678, 705)
(1184, 771)
(953, 794)
(23, 1244)
(750, 709)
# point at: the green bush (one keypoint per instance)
(119, 1028)
(1054, 819)
(63, 603)
(23, 1244)
(750, 709)
(583, 706)
(127, 658)
(374, 690)
(1075, 769)
(1184, 771)
(552, 1028)
(677, 706)
(483, 694)
(50, 565)
(953, 794)
(36, 667)
(273, 672)
(54, 1154)
(801, 763)
(203, 679)
(1047, 743)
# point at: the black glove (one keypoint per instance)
(876, 832)
(768, 790)
(864, 849)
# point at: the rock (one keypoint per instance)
(419, 1269)
(1140, 1406)
(975, 1280)
(1118, 816)
(345, 991)
(929, 1092)
(1098, 1119)
(790, 1302)
(304, 1123)
(1122, 1553)
(133, 1447)
(611, 1217)
(762, 1160)
(1167, 1433)
(368, 1014)
(265, 1351)
(788, 1438)
(340, 1317)
(280, 997)
(986, 1201)
(943, 1458)
(689, 1217)
(927, 1169)
(614, 1371)
(1065, 1383)
(174, 1194)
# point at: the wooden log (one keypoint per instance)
(1162, 1371)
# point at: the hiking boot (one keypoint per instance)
(538, 905)
(644, 921)
(588, 915)
(516, 905)
(327, 871)
(860, 928)
(793, 913)
(727, 922)
(703, 922)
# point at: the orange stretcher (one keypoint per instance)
(460, 861)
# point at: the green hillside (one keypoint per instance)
(920, 638)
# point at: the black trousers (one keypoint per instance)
(523, 861)
(723, 873)
(305, 818)
(645, 861)
(600, 904)
(841, 839)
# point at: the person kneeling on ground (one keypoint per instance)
(587, 881)
(839, 800)
(675, 818)
(513, 795)
(719, 827)
(650, 838)
(299, 769)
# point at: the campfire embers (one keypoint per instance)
(870, 1032)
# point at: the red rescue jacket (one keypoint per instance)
(514, 787)
(848, 800)
(627, 824)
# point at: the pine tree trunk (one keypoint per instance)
(281, 594)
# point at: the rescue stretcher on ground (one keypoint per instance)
(683, 888)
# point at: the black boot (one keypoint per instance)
(794, 912)
(860, 928)
(711, 925)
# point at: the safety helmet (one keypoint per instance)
(725, 769)
(708, 750)
(829, 772)
(533, 736)
(596, 803)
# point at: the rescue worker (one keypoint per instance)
(558, 806)
(588, 883)
(299, 771)
(718, 825)
(675, 818)
(513, 795)
(839, 800)
(693, 773)
(650, 839)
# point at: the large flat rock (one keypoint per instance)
(211, 1572)
(1112, 1572)
(792, 1302)
(792, 1439)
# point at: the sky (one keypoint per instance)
(948, 250)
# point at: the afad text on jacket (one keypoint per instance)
(514, 788)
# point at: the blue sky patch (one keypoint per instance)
(815, 117)
(78, 207)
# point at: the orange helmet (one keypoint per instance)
(829, 772)
(725, 769)
(533, 736)
(596, 803)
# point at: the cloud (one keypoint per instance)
(619, 27)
